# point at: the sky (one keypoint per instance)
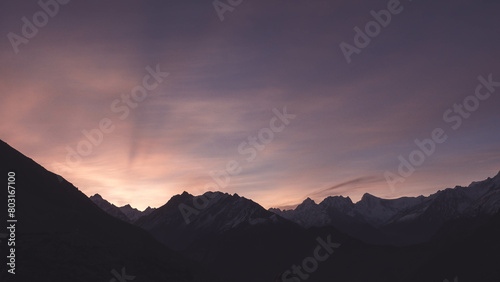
(142, 100)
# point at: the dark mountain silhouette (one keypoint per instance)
(234, 235)
(62, 236)
(125, 213)
(109, 208)
(134, 214)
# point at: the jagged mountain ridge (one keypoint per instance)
(223, 212)
(63, 236)
(402, 221)
(134, 214)
(396, 221)
(126, 213)
(233, 235)
(222, 231)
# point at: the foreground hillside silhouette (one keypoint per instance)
(62, 236)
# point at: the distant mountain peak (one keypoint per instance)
(148, 210)
(97, 196)
(367, 197)
(340, 203)
(338, 198)
(108, 207)
(307, 203)
(125, 213)
(210, 213)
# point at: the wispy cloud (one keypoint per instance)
(365, 182)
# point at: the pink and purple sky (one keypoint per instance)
(226, 77)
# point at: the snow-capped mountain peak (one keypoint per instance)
(481, 198)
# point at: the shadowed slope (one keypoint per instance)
(63, 236)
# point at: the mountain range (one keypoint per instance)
(398, 230)
(402, 221)
(125, 213)
(63, 235)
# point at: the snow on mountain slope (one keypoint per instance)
(370, 209)
(372, 219)
(183, 222)
(342, 204)
(378, 211)
(479, 198)
(307, 214)
(482, 195)
(488, 201)
(412, 218)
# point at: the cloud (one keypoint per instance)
(360, 181)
